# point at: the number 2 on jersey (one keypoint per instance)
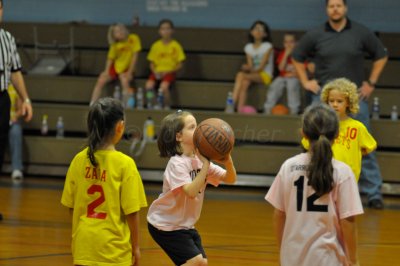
(311, 207)
(97, 202)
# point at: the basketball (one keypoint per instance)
(280, 109)
(214, 138)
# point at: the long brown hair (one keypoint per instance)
(170, 126)
(103, 115)
(320, 127)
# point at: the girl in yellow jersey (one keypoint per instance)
(166, 57)
(121, 60)
(353, 140)
(104, 192)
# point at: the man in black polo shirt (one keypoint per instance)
(338, 48)
(10, 71)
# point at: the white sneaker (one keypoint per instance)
(17, 176)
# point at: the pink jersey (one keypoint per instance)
(312, 233)
(173, 209)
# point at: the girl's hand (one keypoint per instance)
(246, 68)
(226, 160)
(203, 159)
(136, 256)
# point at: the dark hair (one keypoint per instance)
(266, 38)
(320, 126)
(103, 115)
(170, 126)
(344, 2)
(1, 3)
(165, 20)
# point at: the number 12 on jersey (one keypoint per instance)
(311, 207)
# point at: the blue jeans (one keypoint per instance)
(15, 141)
(370, 181)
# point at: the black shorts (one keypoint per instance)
(180, 245)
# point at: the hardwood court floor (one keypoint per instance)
(235, 226)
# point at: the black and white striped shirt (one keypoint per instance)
(9, 58)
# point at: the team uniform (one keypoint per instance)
(312, 233)
(121, 54)
(165, 57)
(173, 214)
(101, 198)
(257, 55)
(348, 147)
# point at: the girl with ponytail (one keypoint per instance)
(316, 199)
(104, 192)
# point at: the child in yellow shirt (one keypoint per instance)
(121, 60)
(166, 56)
(353, 140)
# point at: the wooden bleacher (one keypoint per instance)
(263, 142)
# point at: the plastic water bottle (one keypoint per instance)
(148, 129)
(130, 103)
(160, 99)
(117, 93)
(45, 126)
(139, 99)
(60, 128)
(229, 108)
(375, 109)
(394, 115)
(149, 99)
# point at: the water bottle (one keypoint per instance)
(130, 103)
(45, 127)
(148, 129)
(160, 99)
(117, 93)
(139, 99)
(60, 128)
(229, 108)
(394, 115)
(149, 98)
(375, 109)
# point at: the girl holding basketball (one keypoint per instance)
(104, 192)
(172, 216)
(259, 63)
(316, 199)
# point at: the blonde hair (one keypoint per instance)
(347, 88)
(110, 33)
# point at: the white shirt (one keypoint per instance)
(313, 237)
(257, 54)
(173, 209)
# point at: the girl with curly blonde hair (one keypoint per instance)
(353, 140)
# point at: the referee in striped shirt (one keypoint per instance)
(10, 71)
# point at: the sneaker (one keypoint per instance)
(376, 204)
(17, 176)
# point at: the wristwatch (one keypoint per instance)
(28, 101)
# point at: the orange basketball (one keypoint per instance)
(214, 138)
(280, 109)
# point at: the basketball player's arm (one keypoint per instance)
(310, 85)
(230, 175)
(349, 229)
(18, 81)
(279, 225)
(132, 65)
(133, 223)
(192, 189)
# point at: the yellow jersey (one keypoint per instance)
(166, 57)
(101, 197)
(14, 102)
(353, 140)
(121, 53)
